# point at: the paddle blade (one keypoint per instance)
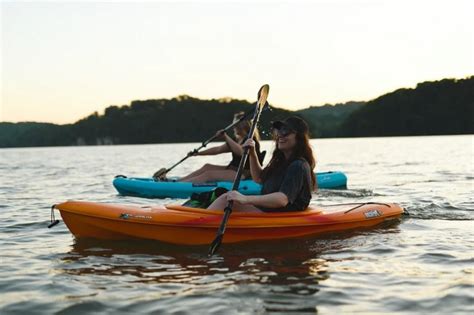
(215, 245)
(263, 95)
(160, 174)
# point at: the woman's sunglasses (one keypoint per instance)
(283, 131)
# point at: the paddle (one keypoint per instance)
(262, 99)
(162, 172)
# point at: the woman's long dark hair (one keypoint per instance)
(302, 150)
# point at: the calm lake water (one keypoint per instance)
(422, 264)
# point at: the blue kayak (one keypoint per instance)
(148, 188)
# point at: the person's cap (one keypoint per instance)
(293, 123)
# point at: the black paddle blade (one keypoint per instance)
(215, 245)
(160, 174)
(53, 224)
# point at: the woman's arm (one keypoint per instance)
(213, 151)
(255, 166)
(273, 200)
(233, 145)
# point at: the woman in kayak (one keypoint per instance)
(211, 172)
(287, 181)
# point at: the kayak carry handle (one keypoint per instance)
(53, 219)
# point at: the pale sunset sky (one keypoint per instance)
(61, 61)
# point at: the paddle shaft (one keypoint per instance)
(228, 209)
(238, 176)
(205, 143)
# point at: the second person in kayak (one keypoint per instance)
(287, 181)
(212, 172)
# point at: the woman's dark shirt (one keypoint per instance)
(294, 181)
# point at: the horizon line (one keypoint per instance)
(238, 99)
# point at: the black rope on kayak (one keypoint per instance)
(367, 203)
(53, 218)
(359, 204)
(120, 176)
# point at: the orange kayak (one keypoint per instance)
(190, 226)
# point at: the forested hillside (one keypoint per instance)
(432, 108)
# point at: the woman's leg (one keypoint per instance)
(212, 176)
(204, 168)
(221, 202)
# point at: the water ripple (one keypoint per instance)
(422, 263)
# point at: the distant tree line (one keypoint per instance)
(325, 121)
(443, 107)
(180, 119)
(432, 108)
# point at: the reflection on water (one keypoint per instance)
(285, 275)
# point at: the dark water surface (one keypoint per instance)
(422, 264)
